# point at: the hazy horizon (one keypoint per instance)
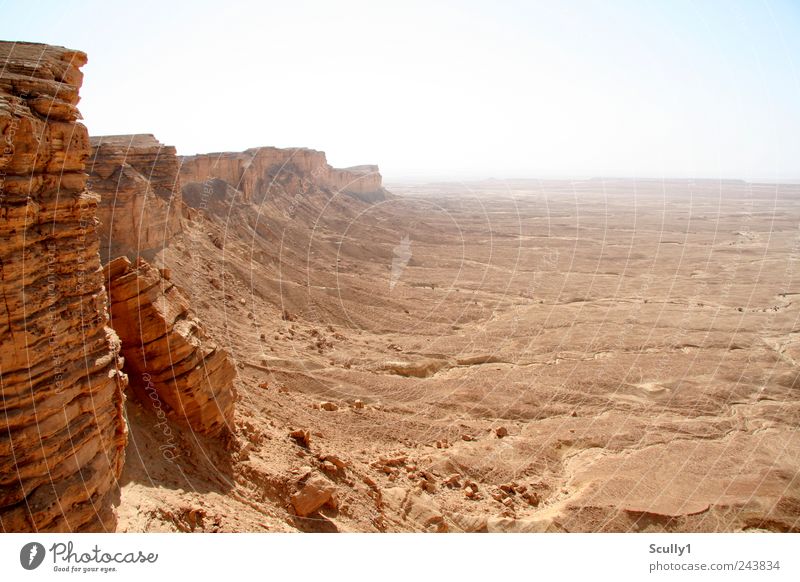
(459, 91)
(412, 180)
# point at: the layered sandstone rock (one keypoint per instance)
(364, 182)
(140, 195)
(254, 170)
(62, 430)
(168, 356)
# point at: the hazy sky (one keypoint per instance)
(448, 89)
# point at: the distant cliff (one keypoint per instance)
(252, 171)
(69, 204)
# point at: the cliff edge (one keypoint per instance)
(62, 430)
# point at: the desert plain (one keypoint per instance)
(503, 355)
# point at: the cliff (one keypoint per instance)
(140, 195)
(252, 171)
(171, 362)
(62, 430)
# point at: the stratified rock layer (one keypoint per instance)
(167, 353)
(140, 196)
(252, 171)
(62, 430)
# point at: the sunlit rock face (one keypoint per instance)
(167, 353)
(62, 430)
(253, 171)
(137, 179)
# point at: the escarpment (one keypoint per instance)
(253, 172)
(62, 430)
(167, 354)
(462, 357)
(137, 179)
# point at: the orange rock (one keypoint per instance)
(61, 389)
(315, 493)
(453, 481)
(339, 463)
(246, 170)
(303, 437)
(140, 195)
(173, 364)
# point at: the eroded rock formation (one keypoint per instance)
(252, 171)
(140, 196)
(62, 430)
(168, 356)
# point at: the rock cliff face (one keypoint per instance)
(62, 431)
(168, 356)
(252, 171)
(364, 182)
(140, 195)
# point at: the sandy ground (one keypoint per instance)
(524, 356)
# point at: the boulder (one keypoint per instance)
(315, 493)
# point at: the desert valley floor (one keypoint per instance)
(594, 355)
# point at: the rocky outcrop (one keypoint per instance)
(254, 170)
(170, 360)
(364, 182)
(314, 492)
(62, 430)
(140, 194)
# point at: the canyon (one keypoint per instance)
(258, 341)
